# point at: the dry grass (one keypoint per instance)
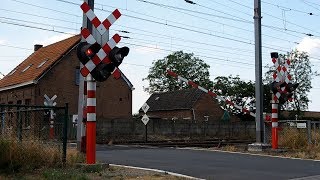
(308, 152)
(28, 155)
(293, 138)
(229, 148)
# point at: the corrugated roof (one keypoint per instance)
(51, 54)
(180, 99)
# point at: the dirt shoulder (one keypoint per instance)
(95, 173)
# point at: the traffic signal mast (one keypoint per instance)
(282, 90)
(100, 60)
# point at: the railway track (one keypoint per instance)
(181, 143)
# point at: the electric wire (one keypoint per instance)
(54, 10)
(77, 4)
(23, 25)
(275, 17)
(290, 9)
(157, 18)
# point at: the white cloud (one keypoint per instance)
(309, 45)
(52, 39)
(2, 41)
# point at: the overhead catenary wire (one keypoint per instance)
(239, 28)
(275, 17)
(37, 15)
(309, 4)
(174, 7)
(116, 25)
(290, 9)
(50, 9)
(75, 34)
(33, 22)
(34, 27)
(197, 12)
(268, 47)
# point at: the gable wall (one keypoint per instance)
(207, 106)
(23, 94)
(61, 81)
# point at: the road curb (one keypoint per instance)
(156, 170)
(252, 154)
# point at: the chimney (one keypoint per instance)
(37, 47)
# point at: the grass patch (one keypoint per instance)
(54, 174)
(293, 138)
(29, 155)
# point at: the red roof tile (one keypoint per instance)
(51, 54)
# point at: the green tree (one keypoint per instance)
(301, 71)
(185, 65)
(237, 91)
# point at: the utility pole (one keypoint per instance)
(258, 76)
(81, 101)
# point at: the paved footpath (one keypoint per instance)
(210, 164)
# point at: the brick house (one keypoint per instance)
(188, 104)
(54, 70)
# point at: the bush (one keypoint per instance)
(18, 156)
(293, 138)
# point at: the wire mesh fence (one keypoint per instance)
(295, 134)
(178, 129)
(27, 133)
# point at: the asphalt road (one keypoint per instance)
(209, 164)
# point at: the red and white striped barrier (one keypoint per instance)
(212, 94)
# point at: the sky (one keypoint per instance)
(219, 32)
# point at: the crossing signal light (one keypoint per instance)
(276, 86)
(117, 55)
(291, 87)
(103, 70)
(86, 51)
(287, 94)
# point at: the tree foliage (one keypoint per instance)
(237, 91)
(301, 71)
(185, 65)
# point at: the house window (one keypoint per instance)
(27, 118)
(27, 68)
(27, 102)
(77, 76)
(19, 102)
(120, 99)
(11, 115)
(41, 64)
(13, 71)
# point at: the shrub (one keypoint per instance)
(18, 156)
(293, 138)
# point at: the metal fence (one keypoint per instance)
(295, 133)
(177, 129)
(28, 127)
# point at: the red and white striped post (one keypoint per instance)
(274, 120)
(51, 133)
(91, 121)
(101, 56)
(277, 76)
(50, 102)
